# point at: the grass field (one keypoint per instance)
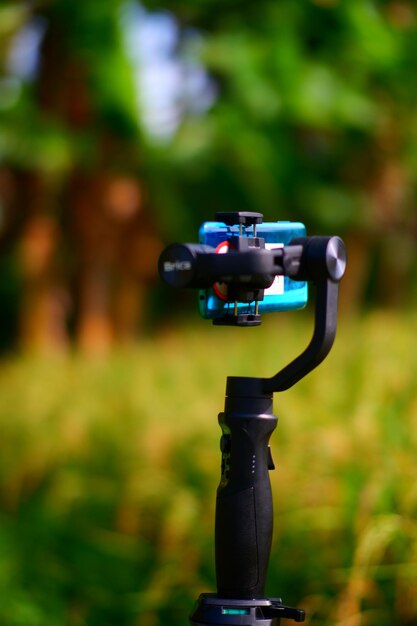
(108, 470)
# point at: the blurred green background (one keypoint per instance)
(123, 126)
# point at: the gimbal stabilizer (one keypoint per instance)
(244, 517)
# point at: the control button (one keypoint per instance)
(225, 444)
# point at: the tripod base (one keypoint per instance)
(213, 611)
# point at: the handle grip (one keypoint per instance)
(244, 517)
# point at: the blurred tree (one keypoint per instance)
(301, 111)
(71, 138)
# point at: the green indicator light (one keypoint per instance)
(235, 611)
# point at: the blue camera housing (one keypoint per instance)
(284, 294)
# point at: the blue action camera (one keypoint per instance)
(283, 295)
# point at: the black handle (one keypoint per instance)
(244, 519)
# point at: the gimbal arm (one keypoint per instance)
(323, 261)
(198, 266)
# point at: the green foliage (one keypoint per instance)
(314, 98)
(93, 37)
(108, 471)
(84, 38)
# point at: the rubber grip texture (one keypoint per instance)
(244, 515)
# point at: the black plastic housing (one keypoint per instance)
(244, 517)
